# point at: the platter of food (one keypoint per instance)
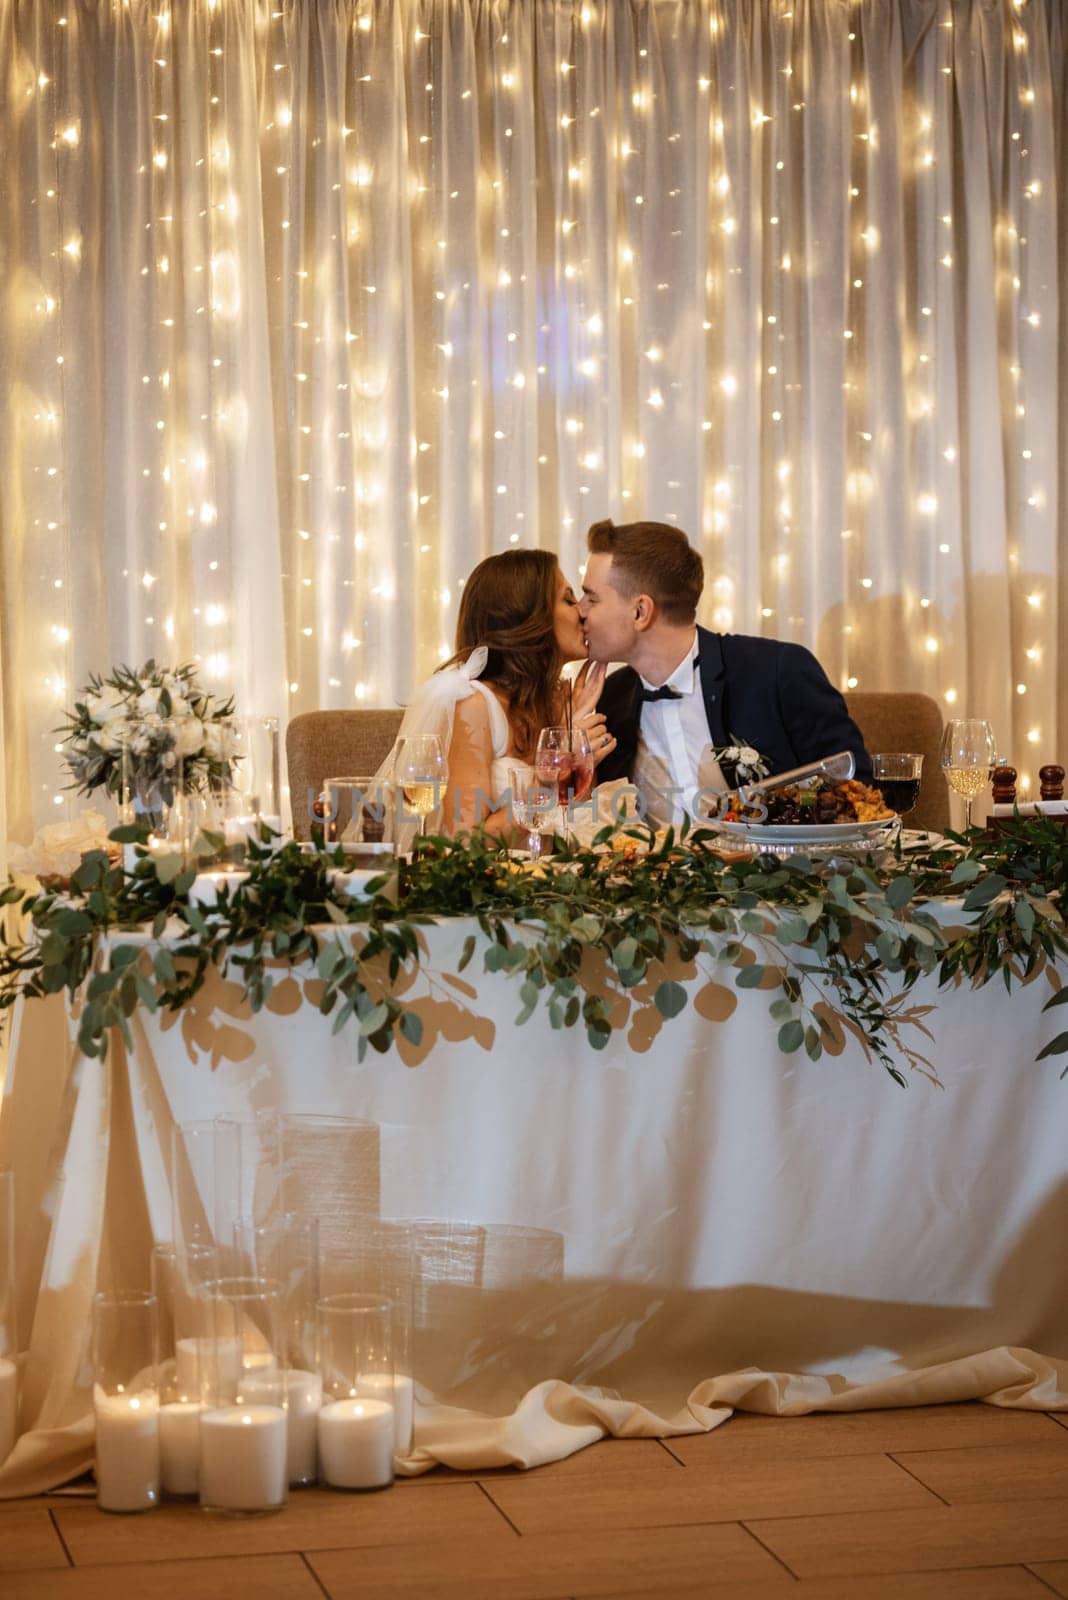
(815, 813)
(808, 833)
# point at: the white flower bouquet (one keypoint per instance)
(149, 724)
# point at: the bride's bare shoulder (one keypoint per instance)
(472, 721)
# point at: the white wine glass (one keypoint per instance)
(531, 800)
(564, 761)
(968, 755)
(420, 771)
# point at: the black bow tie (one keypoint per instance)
(665, 692)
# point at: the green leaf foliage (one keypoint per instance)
(586, 937)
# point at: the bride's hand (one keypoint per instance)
(587, 690)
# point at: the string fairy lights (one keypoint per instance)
(353, 327)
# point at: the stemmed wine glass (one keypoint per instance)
(531, 801)
(968, 754)
(564, 761)
(419, 768)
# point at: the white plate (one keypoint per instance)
(807, 833)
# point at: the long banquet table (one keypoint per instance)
(680, 1224)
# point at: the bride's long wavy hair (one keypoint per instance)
(507, 605)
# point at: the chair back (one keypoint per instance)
(891, 722)
(334, 744)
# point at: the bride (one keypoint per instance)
(518, 625)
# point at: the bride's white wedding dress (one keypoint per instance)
(432, 710)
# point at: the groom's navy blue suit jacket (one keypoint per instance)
(766, 693)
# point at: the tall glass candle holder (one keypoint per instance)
(177, 1280)
(126, 1401)
(206, 1193)
(286, 1250)
(243, 1431)
(356, 1426)
(381, 1261)
(251, 801)
(9, 1377)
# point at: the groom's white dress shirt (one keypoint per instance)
(674, 751)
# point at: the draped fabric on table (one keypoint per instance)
(309, 305)
(631, 1241)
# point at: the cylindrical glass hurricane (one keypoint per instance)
(286, 1250)
(206, 1193)
(243, 1433)
(126, 1401)
(177, 1281)
(251, 801)
(9, 1377)
(356, 1425)
(381, 1261)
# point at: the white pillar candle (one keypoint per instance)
(243, 1458)
(257, 1361)
(400, 1392)
(206, 886)
(221, 1357)
(304, 1397)
(127, 1451)
(356, 1444)
(9, 1404)
(179, 1446)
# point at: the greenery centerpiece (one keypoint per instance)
(833, 947)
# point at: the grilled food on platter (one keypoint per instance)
(817, 802)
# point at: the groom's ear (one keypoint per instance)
(644, 612)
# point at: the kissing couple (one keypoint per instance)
(662, 721)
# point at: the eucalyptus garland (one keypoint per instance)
(834, 946)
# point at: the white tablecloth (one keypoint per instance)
(682, 1223)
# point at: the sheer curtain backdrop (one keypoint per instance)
(307, 305)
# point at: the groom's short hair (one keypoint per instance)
(652, 558)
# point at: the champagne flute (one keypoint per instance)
(419, 768)
(968, 754)
(564, 760)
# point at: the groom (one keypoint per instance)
(683, 687)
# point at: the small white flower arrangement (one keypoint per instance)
(148, 721)
(740, 762)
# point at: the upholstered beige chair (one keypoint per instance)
(334, 744)
(907, 722)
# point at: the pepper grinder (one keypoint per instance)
(1052, 780)
(1003, 781)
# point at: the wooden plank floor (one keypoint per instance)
(962, 1502)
